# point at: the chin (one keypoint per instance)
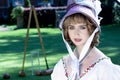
(79, 44)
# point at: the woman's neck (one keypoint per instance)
(78, 51)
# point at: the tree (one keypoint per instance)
(17, 13)
(27, 3)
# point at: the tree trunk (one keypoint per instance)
(19, 22)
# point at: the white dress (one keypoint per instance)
(103, 69)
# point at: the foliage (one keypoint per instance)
(17, 11)
(27, 3)
(116, 12)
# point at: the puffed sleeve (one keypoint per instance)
(112, 72)
(58, 72)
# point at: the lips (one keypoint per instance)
(77, 40)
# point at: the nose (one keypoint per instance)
(77, 32)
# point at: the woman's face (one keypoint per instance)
(78, 33)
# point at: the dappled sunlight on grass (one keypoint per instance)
(111, 51)
(12, 50)
(111, 54)
(110, 42)
(3, 41)
(108, 50)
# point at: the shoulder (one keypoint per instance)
(63, 60)
(108, 70)
(59, 71)
(58, 65)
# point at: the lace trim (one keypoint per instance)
(92, 66)
(86, 70)
(66, 74)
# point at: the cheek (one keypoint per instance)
(87, 35)
(71, 35)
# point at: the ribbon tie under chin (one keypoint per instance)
(75, 70)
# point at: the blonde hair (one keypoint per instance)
(80, 18)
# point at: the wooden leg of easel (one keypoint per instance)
(22, 74)
(40, 36)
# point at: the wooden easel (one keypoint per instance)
(32, 9)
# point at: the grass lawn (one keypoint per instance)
(12, 50)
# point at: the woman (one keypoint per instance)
(80, 31)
